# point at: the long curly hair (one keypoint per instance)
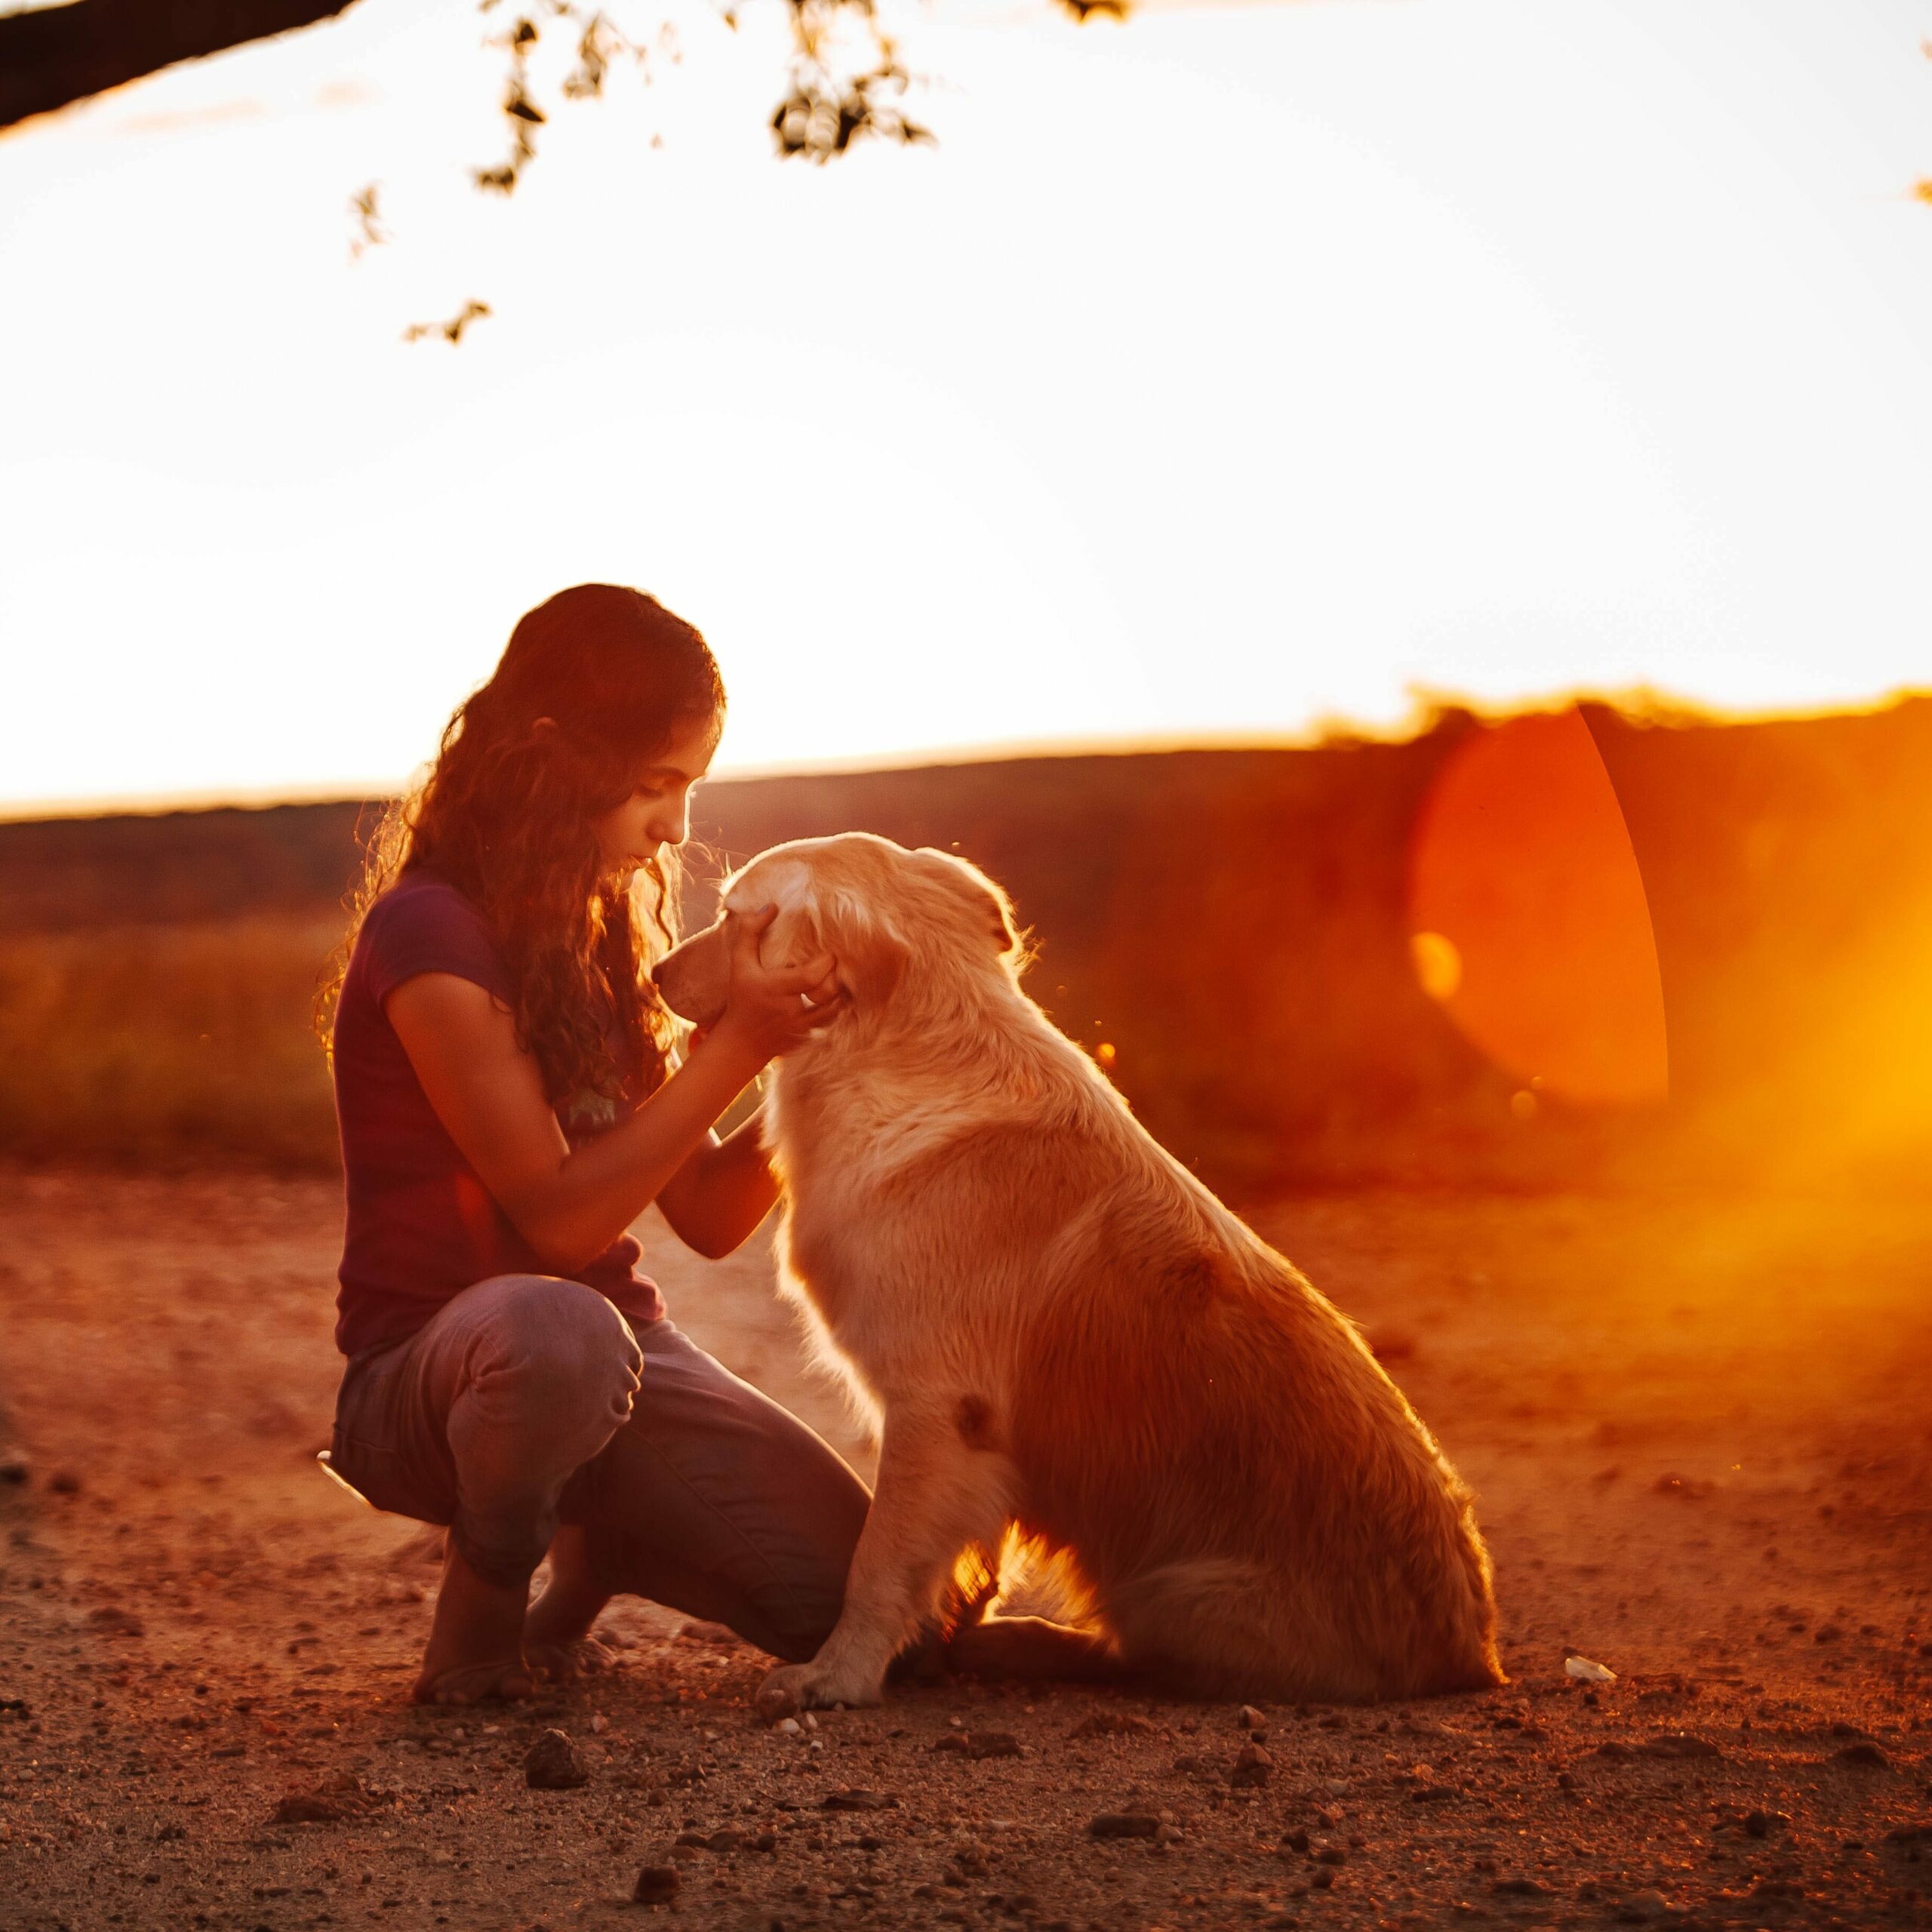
(592, 685)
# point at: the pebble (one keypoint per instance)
(854, 1797)
(1123, 1824)
(979, 1743)
(1111, 1724)
(657, 1884)
(1252, 1720)
(1865, 1757)
(1648, 1904)
(1587, 1670)
(553, 1763)
(1679, 1744)
(334, 1799)
(789, 1727)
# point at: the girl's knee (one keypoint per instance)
(564, 1342)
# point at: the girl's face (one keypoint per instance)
(657, 813)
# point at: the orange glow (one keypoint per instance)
(1528, 921)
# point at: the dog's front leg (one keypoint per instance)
(935, 1494)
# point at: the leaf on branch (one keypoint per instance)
(451, 331)
(830, 106)
(369, 232)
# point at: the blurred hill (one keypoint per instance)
(1232, 931)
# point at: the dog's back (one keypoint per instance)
(1259, 1508)
(1256, 1507)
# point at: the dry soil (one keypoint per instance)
(1701, 1435)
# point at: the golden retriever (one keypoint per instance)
(1059, 1331)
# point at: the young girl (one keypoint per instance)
(507, 1110)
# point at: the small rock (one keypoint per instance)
(1123, 1824)
(1252, 1765)
(1521, 1888)
(853, 1797)
(1295, 1840)
(1114, 1723)
(1688, 1489)
(657, 1884)
(1251, 1720)
(64, 1482)
(1866, 1756)
(1679, 1744)
(113, 1622)
(1165, 1834)
(1613, 1750)
(306, 1807)
(1586, 1670)
(1646, 1904)
(334, 1799)
(1761, 1824)
(553, 1763)
(789, 1727)
(1330, 1816)
(979, 1743)
(1332, 1855)
(1432, 1794)
(14, 1467)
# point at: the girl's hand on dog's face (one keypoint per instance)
(769, 1009)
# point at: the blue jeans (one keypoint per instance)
(527, 1402)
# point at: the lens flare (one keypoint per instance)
(1527, 918)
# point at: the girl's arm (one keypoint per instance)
(721, 1194)
(569, 1204)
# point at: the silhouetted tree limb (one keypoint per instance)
(58, 55)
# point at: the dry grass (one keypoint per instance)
(167, 1044)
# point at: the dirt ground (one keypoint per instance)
(1700, 1433)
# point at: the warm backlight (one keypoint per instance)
(1528, 919)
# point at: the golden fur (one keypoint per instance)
(1057, 1327)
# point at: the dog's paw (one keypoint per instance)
(793, 1687)
(778, 1697)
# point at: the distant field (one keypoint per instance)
(1232, 927)
(159, 1044)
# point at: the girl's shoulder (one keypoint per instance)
(424, 923)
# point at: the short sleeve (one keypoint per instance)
(424, 924)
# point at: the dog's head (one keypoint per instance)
(891, 919)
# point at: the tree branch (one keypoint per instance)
(58, 55)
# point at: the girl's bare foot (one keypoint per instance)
(556, 1634)
(476, 1652)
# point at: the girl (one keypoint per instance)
(507, 1110)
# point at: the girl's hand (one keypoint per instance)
(769, 1009)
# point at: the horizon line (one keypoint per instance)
(1428, 706)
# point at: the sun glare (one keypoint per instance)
(1528, 920)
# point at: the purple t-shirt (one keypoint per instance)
(422, 1225)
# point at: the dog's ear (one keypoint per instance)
(870, 953)
(972, 888)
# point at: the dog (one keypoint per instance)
(1063, 1339)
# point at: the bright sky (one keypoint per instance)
(1235, 371)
